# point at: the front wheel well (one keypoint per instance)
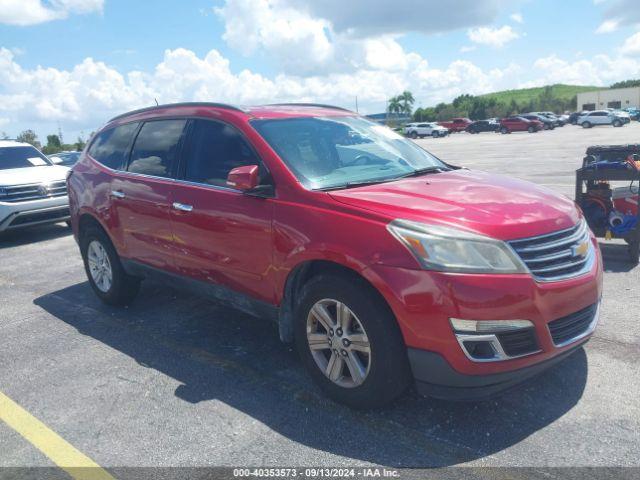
(304, 272)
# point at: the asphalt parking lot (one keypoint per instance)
(176, 380)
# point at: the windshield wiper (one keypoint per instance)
(415, 173)
(424, 171)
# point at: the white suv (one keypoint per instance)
(599, 117)
(426, 129)
(33, 189)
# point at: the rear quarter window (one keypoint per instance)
(111, 147)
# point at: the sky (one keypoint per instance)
(70, 65)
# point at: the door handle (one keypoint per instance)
(117, 194)
(182, 207)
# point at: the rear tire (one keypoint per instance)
(634, 252)
(370, 320)
(114, 286)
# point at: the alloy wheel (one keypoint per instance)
(99, 266)
(338, 343)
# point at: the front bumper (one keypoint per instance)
(424, 301)
(37, 212)
(434, 377)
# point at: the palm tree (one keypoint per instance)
(407, 100)
(395, 105)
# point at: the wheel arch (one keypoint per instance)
(305, 271)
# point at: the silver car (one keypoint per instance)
(33, 189)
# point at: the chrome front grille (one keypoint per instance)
(559, 255)
(33, 191)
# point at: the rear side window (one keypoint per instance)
(156, 148)
(214, 150)
(111, 147)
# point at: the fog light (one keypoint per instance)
(488, 326)
(480, 340)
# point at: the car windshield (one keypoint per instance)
(68, 158)
(21, 157)
(339, 152)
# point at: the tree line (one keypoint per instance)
(54, 142)
(480, 108)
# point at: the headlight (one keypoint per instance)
(451, 250)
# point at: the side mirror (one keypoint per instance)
(243, 178)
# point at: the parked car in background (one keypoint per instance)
(32, 189)
(324, 222)
(623, 115)
(573, 117)
(634, 113)
(457, 124)
(483, 126)
(557, 121)
(520, 124)
(68, 159)
(425, 129)
(547, 123)
(600, 117)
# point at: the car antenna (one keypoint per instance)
(157, 104)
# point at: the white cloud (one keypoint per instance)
(620, 13)
(494, 37)
(32, 12)
(364, 18)
(517, 17)
(311, 38)
(631, 46)
(607, 26)
(467, 48)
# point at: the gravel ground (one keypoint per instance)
(176, 380)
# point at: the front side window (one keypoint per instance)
(111, 147)
(22, 157)
(155, 151)
(337, 152)
(214, 150)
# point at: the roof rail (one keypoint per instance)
(319, 105)
(183, 104)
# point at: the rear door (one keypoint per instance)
(142, 194)
(222, 236)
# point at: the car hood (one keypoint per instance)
(22, 176)
(489, 204)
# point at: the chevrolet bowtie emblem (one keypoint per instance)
(581, 250)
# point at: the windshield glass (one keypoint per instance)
(68, 158)
(334, 152)
(21, 157)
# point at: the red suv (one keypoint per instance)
(384, 264)
(456, 125)
(520, 124)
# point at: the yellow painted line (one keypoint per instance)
(61, 452)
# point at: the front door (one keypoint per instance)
(221, 235)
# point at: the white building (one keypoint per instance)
(610, 98)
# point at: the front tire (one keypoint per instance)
(617, 123)
(435, 134)
(104, 270)
(350, 343)
(531, 130)
(586, 124)
(504, 130)
(413, 135)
